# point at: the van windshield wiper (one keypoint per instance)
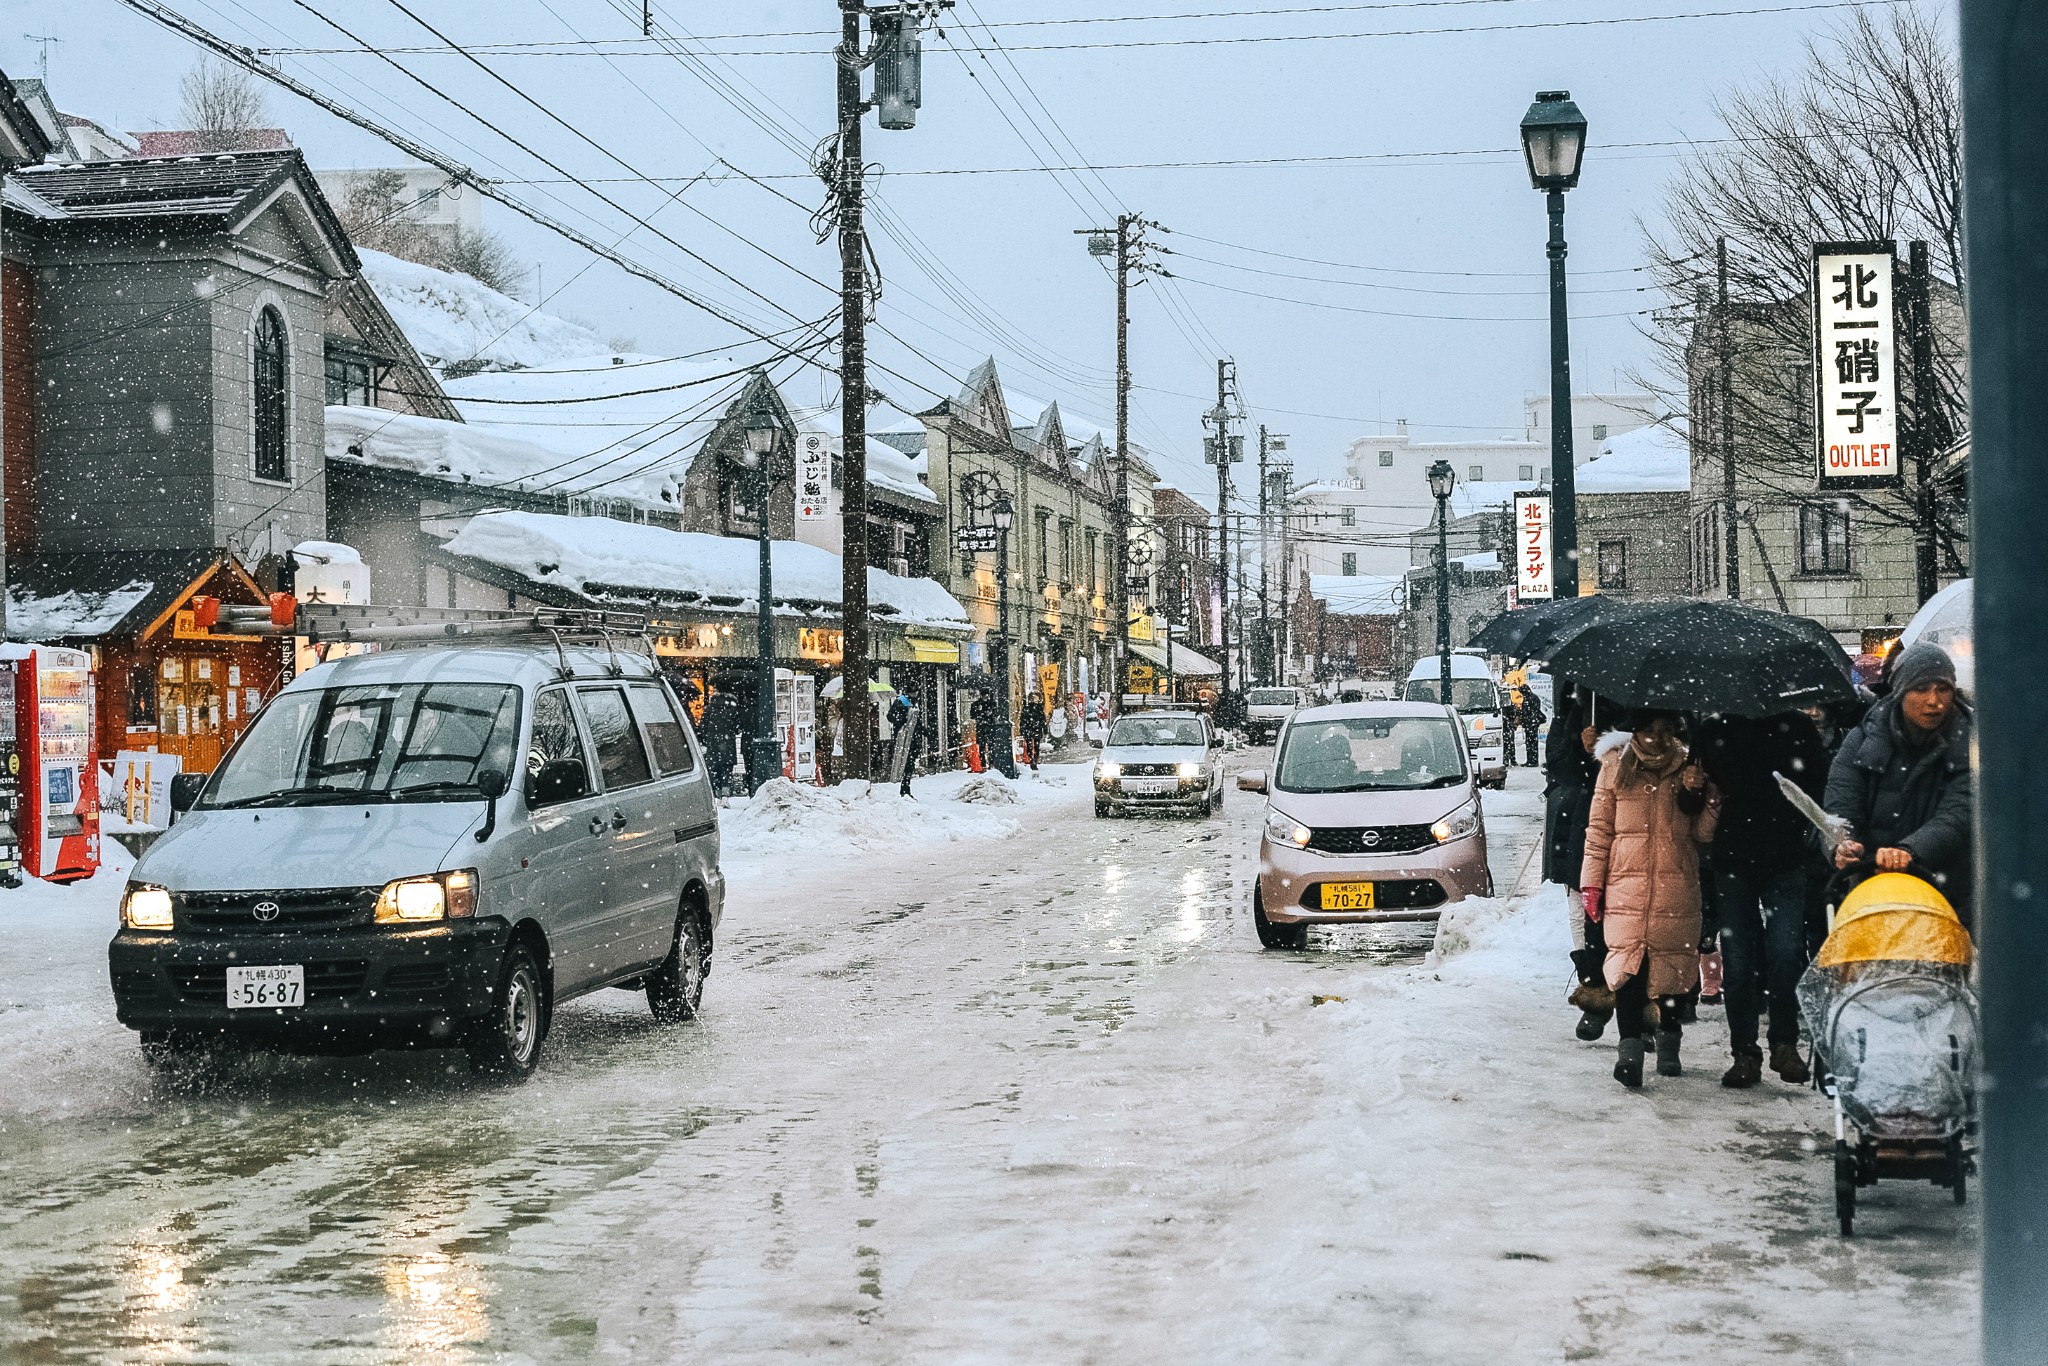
(306, 796)
(439, 786)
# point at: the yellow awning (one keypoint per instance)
(933, 651)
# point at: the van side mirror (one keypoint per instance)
(1252, 780)
(493, 784)
(185, 790)
(559, 780)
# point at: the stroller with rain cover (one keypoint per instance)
(1893, 1019)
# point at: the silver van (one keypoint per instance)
(431, 848)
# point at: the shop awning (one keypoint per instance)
(1186, 663)
(933, 651)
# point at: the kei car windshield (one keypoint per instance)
(1156, 730)
(1371, 753)
(372, 743)
(1468, 695)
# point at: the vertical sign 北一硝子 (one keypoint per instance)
(814, 477)
(1532, 548)
(1855, 375)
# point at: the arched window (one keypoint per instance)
(268, 393)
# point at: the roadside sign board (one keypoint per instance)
(813, 477)
(1533, 560)
(1855, 364)
(973, 540)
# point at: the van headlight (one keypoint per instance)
(1107, 772)
(441, 896)
(1191, 771)
(1456, 826)
(1284, 829)
(146, 908)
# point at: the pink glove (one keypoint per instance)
(1591, 896)
(1710, 973)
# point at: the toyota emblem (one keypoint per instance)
(265, 910)
(1370, 838)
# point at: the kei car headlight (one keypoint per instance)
(1456, 826)
(1191, 771)
(1284, 829)
(146, 908)
(441, 896)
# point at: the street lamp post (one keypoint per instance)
(1001, 512)
(1554, 143)
(764, 750)
(1442, 479)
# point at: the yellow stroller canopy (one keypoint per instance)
(1895, 917)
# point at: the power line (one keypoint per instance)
(1390, 313)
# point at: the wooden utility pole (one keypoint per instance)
(1729, 529)
(858, 714)
(1929, 432)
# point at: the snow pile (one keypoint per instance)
(785, 821)
(449, 317)
(1471, 923)
(467, 453)
(71, 614)
(599, 557)
(1653, 459)
(989, 789)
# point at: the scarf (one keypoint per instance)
(1652, 757)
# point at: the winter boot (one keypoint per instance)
(1667, 1053)
(1747, 1070)
(1628, 1063)
(1593, 1023)
(1790, 1067)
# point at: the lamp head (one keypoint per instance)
(1442, 479)
(760, 434)
(1554, 140)
(1001, 512)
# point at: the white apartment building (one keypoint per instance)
(428, 196)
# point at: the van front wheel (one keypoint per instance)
(676, 988)
(506, 1042)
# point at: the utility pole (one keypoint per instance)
(1929, 430)
(1126, 241)
(1284, 473)
(897, 95)
(1729, 529)
(2005, 213)
(1220, 447)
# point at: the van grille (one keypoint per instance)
(1150, 770)
(295, 910)
(332, 981)
(1371, 839)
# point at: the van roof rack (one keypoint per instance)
(324, 623)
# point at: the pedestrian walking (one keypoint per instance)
(1569, 773)
(1902, 778)
(720, 734)
(903, 719)
(1652, 810)
(1529, 715)
(1031, 729)
(1762, 856)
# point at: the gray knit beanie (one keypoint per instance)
(1919, 665)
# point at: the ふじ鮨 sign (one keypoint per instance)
(1533, 567)
(1855, 364)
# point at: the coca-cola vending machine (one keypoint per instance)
(57, 808)
(10, 769)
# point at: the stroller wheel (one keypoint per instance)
(1845, 1187)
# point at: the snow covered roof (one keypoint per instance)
(450, 317)
(71, 614)
(889, 466)
(1483, 560)
(482, 456)
(1653, 459)
(1480, 495)
(597, 557)
(1357, 595)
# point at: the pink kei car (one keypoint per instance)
(1373, 815)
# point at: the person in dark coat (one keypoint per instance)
(719, 733)
(1902, 780)
(1761, 857)
(1530, 717)
(903, 718)
(1570, 772)
(1031, 728)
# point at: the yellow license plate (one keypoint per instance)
(1347, 896)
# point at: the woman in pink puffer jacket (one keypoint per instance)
(1652, 810)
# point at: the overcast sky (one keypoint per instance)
(1445, 329)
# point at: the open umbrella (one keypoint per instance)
(1706, 656)
(1533, 632)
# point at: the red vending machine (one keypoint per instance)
(58, 806)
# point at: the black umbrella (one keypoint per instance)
(1533, 632)
(1706, 656)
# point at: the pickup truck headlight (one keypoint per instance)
(1456, 826)
(1284, 829)
(146, 908)
(441, 896)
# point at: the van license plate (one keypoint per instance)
(1347, 896)
(1148, 787)
(257, 988)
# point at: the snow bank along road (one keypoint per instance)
(1014, 1086)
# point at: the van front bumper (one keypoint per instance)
(366, 984)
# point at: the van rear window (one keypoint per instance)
(657, 717)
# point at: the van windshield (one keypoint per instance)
(1467, 694)
(1157, 730)
(384, 742)
(1371, 753)
(1272, 697)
